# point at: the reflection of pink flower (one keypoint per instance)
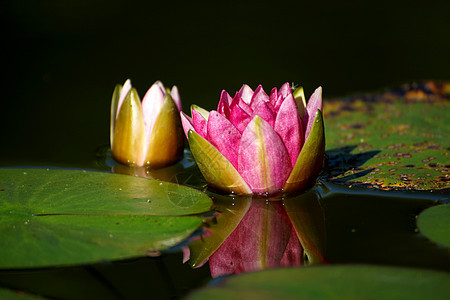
(256, 143)
(265, 238)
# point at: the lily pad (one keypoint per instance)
(60, 217)
(396, 140)
(434, 223)
(333, 282)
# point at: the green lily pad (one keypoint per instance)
(434, 223)
(395, 140)
(333, 282)
(59, 217)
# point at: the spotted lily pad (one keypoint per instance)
(60, 217)
(434, 223)
(393, 140)
(333, 282)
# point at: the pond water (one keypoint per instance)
(345, 225)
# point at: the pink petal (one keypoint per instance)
(199, 122)
(176, 97)
(285, 90)
(258, 97)
(125, 89)
(237, 100)
(224, 104)
(264, 111)
(151, 106)
(314, 104)
(288, 126)
(161, 85)
(273, 96)
(239, 117)
(246, 93)
(224, 136)
(187, 123)
(263, 162)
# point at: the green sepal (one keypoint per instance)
(217, 170)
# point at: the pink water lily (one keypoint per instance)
(259, 143)
(147, 133)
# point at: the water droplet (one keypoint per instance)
(25, 173)
(232, 203)
(120, 189)
(160, 183)
(149, 200)
(111, 236)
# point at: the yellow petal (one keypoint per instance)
(217, 170)
(310, 160)
(129, 132)
(166, 142)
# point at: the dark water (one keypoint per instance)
(63, 60)
(357, 226)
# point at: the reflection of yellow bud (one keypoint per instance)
(147, 133)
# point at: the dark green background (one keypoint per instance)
(63, 58)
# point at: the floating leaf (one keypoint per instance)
(395, 140)
(58, 217)
(333, 282)
(434, 223)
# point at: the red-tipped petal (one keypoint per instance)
(187, 123)
(224, 136)
(264, 111)
(263, 162)
(288, 126)
(258, 97)
(246, 93)
(314, 104)
(199, 122)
